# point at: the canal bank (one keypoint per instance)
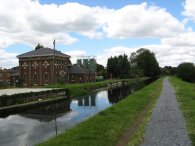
(38, 124)
(16, 100)
(107, 127)
(11, 103)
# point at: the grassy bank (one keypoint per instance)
(186, 97)
(86, 88)
(107, 127)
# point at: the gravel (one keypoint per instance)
(167, 125)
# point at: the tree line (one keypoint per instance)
(143, 63)
(140, 63)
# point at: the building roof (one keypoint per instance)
(43, 52)
(15, 74)
(8, 71)
(78, 69)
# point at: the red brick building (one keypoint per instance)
(43, 66)
(79, 74)
(6, 75)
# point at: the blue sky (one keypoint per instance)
(101, 28)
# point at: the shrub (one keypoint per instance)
(186, 71)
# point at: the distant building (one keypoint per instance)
(43, 66)
(14, 79)
(88, 64)
(78, 74)
(5, 76)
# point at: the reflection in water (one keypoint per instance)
(87, 100)
(49, 110)
(36, 125)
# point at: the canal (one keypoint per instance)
(36, 125)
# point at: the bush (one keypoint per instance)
(186, 71)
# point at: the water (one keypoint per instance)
(39, 124)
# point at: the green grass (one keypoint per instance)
(86, 88)
(105, 128)
(186, 97)
(139, 134)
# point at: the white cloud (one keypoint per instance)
(115, 51)
(189, 9)
(183, 39)
(26, 21)
(170, 55)
(142, 21)
(8, 59)
(170, 52)
(76, 54)
(29, 22)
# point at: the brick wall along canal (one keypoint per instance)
(36, 125)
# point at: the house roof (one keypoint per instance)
(8, 71)
(15, 74)
(78, 69)
(43, 52)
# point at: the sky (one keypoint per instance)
(99, 28)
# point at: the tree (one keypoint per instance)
(173, 70)
(123, 66)
(39, 46)
(165, 71)
(118, 66)
(145, 60)
(186, 71)
(112, 67)
(100, 70)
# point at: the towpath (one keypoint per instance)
(167, 125)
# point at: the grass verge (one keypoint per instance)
(106, 128)
(185, 93)
(86, 88)
(138, 136)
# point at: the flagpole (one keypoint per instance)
(54, 44)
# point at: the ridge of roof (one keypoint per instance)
(42, 52)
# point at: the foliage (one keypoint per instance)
(165, 71)
(39, 46)
(112, 69)
(172, 70)
(186, 97)
(100, 70)
(118, 67)
(145, 61)
(105, 128)
(186, 71)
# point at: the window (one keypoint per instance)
(0, 75)
(45, 64)
(46, 77)
(35, 78)
(25, 78)
(25, 65)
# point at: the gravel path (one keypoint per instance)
(167, 125)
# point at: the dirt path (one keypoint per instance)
(123, 141)
(167, 125)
